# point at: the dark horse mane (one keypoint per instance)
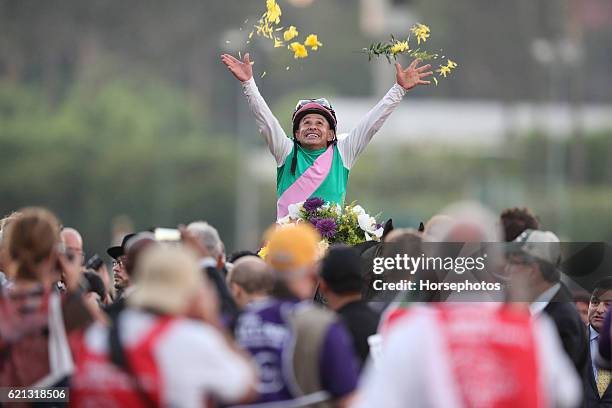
(368, 251)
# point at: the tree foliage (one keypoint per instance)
(129, 146)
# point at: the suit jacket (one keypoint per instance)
(591, 396)
(571, 329)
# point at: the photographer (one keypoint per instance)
(97, 265)
(163, 349)
(35, 316)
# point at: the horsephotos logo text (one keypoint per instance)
(405, 264)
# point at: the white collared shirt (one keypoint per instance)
(417, 342)
(593, 344)
(538, 305)
(208, 262)
(350, 145)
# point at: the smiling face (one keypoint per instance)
(314, 132)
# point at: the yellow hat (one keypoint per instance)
(292, 247)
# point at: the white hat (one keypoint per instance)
(166, 280)
(543, 245)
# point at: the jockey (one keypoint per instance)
(315, 163)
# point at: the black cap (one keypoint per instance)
(117, 251)
(341, 269)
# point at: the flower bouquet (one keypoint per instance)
(350, 226)
(395, 47)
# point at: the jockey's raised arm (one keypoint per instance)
(353, 145)
(278, 142)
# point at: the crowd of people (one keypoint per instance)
(178, 322)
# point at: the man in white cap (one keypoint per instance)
(534, 260)
(164, 349)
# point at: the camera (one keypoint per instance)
(167, 234)
(95, 262)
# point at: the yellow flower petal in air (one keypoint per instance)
(263, 252)
(313, 42)
(264, 29)
(451, 64)
(299, 50)
(290, 34)
(399, 46)
(278, 43)
(435, 80)
(274, 12)
(421, 31)
(444, 70)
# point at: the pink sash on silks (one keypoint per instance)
(306, 184)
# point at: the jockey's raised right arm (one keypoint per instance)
(276, 138)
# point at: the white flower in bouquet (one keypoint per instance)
(285, 220)
(337, 209)
(378, 234)
(358, 210)
(323, 247)
(369, 226)
(295, 210)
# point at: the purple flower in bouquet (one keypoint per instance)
(312, 204)
(314, 221)
(327, 227)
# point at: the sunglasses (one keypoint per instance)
(119, 262)
(321, 101)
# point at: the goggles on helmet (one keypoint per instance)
(321, 101)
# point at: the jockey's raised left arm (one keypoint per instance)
(352, 146)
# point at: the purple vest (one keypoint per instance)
(264, 330)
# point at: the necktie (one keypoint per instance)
(603, 380)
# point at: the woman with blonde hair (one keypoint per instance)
(34, 315)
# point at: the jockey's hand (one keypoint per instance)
(412, 76)
(242, 70)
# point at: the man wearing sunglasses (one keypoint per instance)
(316, 163)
